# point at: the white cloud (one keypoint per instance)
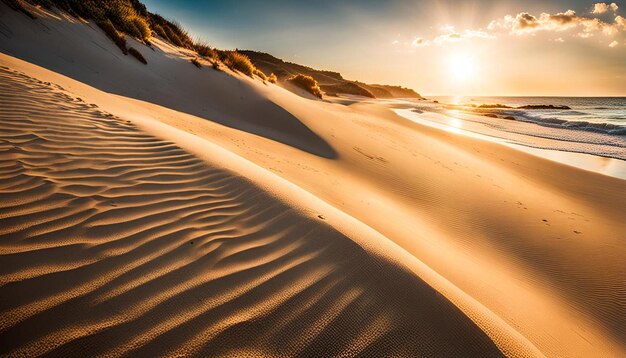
(525, 23)
(451, 35)
(613, 44)
(620, 22)
(446, 28)
(419, 42)
(468, 34)
(602, 7)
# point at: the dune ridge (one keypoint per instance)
(116, 242)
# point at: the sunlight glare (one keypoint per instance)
(461, 68)
(455, 125)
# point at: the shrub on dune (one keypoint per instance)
(136, 54)
(182, 34)
(112, 33)
(173, 31)
(307, 83)
(133, 31)
(260, 74)
(17, 5)
(157, 29)
(174, 39)
(119, 17)
(204, 50)
(169, 30)
(142, 28)
(237, 62)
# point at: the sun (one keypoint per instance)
(461, 68)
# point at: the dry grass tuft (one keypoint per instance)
(196, 62)
(237, 62)
(112, 33)
(18, 5)
(307, 83)
(140, 28)
(260, 74)
(170, 30)
(205, 50)
(136, 54)
(157, 29)
(272, 78)
(119, 17)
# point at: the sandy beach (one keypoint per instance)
(171, 210)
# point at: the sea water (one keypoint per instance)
(592, 127)
(601, 114)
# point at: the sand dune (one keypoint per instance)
(339, 227)
(117, 242)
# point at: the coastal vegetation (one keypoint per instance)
(237, 62)
(130, 17)
(18, 5)
(307, 83)
(120, 18)
(136, 54)
(329, 81)
(111, 32)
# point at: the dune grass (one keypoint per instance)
(140, 28)
(136, 54)
(18, 5)
(131, 17)
(128, 16)
(196, 62)
(307, 83)
(272, 78)
(157, 29)
(205, 50)
(260, 74)
(112, 33)
(237, 62)
(170, 30)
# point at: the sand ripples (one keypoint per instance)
(114, 242)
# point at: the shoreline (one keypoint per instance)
(609, 166)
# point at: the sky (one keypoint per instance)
(481, 47)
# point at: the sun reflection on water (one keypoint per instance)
(455, 125)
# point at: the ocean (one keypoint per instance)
(591, 126)
(599, 114)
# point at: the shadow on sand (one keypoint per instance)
(167, 80)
